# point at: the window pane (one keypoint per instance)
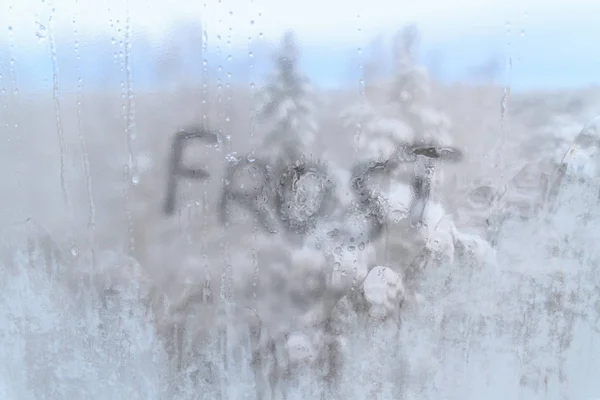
(299, 199)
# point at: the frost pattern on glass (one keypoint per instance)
(214, 221)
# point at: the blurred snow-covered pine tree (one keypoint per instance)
(288, 104)
(411, 91)
(403, 112)
(406, 113)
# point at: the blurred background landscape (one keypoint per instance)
(106, 296)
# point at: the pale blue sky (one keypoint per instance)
(552, 42)
(331, 21)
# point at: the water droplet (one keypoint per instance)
(399, 215)
(337, 266)
(252, 22)
(74, 251)
(41, 31)
(338, 250)
(232, 157)
(135, 178)
(351, 248)
(361, 246)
